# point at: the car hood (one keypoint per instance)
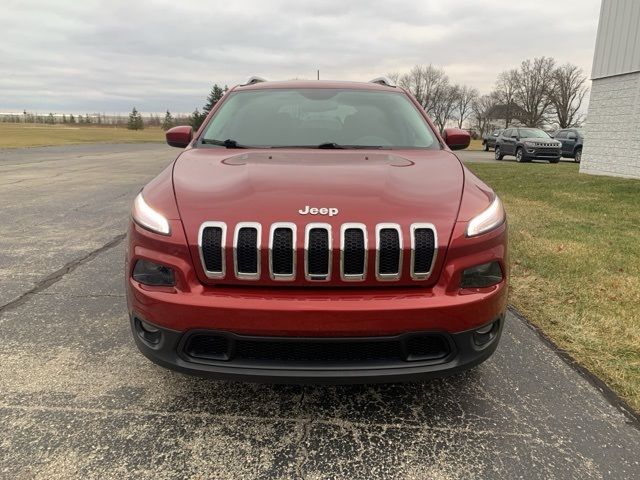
(269, 186)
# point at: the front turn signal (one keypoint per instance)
(148, 218)
(486, 221)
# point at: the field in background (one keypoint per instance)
(575, 256)
(475, 144)
(17, 135)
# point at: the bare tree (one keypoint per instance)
(482, 107)
(506, 86)
(534, 84)
(464, 102)
(567, 94)
(445, 105)
(429, 84)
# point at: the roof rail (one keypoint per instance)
(253, 80)
(383, 81)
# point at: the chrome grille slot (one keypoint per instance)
(317, 252)
(353, 251)
(424, 248)
(211, 243)
(282, 251)
(283, 262)
(388, 251)
(246, 250)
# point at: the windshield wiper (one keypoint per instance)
(229, 143)
(330, 145)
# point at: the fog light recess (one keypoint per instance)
(480, 276)
(147, 332)
(484, 335)
(153, 274)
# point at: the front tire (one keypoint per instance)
(520, 155)
(486, 146)
(577, 157)
(554, 160)
(498, 153)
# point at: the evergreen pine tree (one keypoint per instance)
(215, 95)
(72, 119)
(135, 120)
(64, 118)
(168, 122)
(196, 119)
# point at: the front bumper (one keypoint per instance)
(537, 154)
(463, 351)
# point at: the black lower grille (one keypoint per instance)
(354, 252)
(212, 248)
(424, 250)
(282, 252)
(247, 250)
(205, 346)
(314, 351)
(389, 252)
(318, 252)
(216, 347)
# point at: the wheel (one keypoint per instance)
(498, 153)
(520, 155)
(554, 160)
(486, 146)
(578, 155)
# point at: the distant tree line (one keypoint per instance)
(540, 93)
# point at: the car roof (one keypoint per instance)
(317, 84)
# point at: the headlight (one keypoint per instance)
(148, 218)
(530, 144)
(491, 218)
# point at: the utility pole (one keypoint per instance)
(318, 74)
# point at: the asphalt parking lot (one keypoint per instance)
(78, 401)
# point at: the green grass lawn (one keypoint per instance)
(575, 257)
(17, 135)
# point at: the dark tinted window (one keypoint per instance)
(507, 132)
(533, 133)
(561, 134)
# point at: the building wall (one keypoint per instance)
(612, 129)
(617, 48)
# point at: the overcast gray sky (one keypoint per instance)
(107, 56)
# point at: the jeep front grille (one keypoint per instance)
(317, 239)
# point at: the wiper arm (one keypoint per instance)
(330, 145)
(229, 143)
(351, 147)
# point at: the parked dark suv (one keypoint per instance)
(528, 144)
(489, 139)
(571, 139)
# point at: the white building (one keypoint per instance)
(612, 129)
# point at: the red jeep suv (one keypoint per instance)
(315, 231)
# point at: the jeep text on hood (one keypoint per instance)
(317, 232)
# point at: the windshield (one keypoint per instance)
(533, 133)
(313, 118)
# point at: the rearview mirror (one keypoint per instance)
(179, 136)
(456, 139)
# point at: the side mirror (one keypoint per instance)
(179, 136)
(456, 139)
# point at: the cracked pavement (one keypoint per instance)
(78, 401)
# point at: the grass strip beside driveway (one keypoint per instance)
(19, 135)
(575, 258)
